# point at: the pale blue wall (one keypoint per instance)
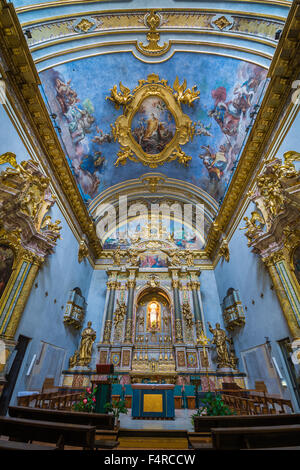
(247, 273)
(210, 299)
(96, 303)
(42, 319)
(9, 138)
(291, 140)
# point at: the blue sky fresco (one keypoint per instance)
(229, 89)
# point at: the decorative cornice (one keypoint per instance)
(285, 68)
(24, 80)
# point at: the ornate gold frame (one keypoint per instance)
(173, 98)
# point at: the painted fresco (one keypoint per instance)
(230, 92)
(139, 230)
(153, 261)
(6, 264)
(153, 126)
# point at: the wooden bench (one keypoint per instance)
(106, 435)
(240, 405)
(203, 424)
(255, 437)
(14, 445)
(61, 434)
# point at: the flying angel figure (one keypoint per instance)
(183, 95)
(121, 98)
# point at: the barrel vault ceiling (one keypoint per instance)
(221, 51)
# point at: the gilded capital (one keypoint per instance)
(176, 284)
(131, 283)
(274, 258)
(194, 285)
(112, 284)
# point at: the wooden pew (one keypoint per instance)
(255, 437)
(15, 445)
(61, 434)
(52, 399)
(203, 424)
(240, 405)
(106, 436)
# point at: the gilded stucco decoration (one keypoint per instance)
(83, 250)
(25, 199)
(28, 231)
(153, 97)
(273, 231)
(224, 250)
(153, 21)
(222, 22)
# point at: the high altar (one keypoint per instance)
(154, 329)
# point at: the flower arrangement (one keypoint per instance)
(87, 402)
(116, 408)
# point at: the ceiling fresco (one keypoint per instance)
(230, 91)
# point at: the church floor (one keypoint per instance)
(181, 422)
(155, 434)
(152, 434)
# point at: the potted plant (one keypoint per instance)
(87, 402)
(116, 408)
(212, 405)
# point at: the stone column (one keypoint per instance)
(111, 286)
(13, 304)
(195, 286)
(287, 292)
(129, 315)
(177, 310)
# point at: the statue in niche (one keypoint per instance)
(117, 257)
(187, 314)
(166, 319)
(189, 258)
(220, 338)
(88, 337)
(133, 257)
(153, 316)
(175, 258)
(120, 312)
(141, 321)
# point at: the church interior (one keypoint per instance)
(149, 224)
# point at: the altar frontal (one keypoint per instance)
(153, 401)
